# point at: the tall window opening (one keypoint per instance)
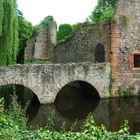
(100, 53)
(136, 60)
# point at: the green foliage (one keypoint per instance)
(104, 11)
(128, 91)
(64, 31)
(13, 125)
(8, 32)
(12, 121)
(25, 32)
(1, 17)
(35, 30)
(45, 22)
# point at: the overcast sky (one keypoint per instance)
(63, 11)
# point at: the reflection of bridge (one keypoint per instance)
(47, 80)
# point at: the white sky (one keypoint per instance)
(63, 11)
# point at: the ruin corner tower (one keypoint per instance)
(40, 46)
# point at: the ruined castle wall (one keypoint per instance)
(29, 50)
(125, 44)
(40, 46)
(81, 46)
(42, 50)
(52, 32)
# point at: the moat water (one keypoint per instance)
(70, 108)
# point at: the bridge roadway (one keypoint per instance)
(46, 80)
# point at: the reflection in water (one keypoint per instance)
(81, 110)
(110, 112)
(70, 107)
(127, 108)
(76, 100)
(24, 96)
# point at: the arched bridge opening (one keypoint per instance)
(77, 99)
(15, 93)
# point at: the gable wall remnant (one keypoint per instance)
(81, 46)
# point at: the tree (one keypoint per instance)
(104, 11)
(25, 32)
(8, 32)
(64, 31)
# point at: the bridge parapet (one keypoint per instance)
(46, 80)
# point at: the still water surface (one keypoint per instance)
(110, 112)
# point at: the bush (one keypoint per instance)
(64, 31)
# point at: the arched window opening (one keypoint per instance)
(76, 100)
(100, 53)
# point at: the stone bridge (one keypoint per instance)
(46, 80)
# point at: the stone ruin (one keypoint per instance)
(118, 41)
(40, 46)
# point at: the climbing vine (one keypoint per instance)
(8, 32)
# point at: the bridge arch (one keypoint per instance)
(82, 85)
(79, 88)
(75, 96)
(47, 80)
(15, 81)
(23, 93)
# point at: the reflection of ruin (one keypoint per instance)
(45, 110)
(125, 110)
(111, 113)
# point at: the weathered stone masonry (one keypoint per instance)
(40, 46)
(117, 42)
(47, 80)
(82, 45)
(121, 40)
(125, 43)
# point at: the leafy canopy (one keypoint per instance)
(8, 32)
(104, 11)
(25, 32)
(64, 31)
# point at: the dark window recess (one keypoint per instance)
(100, 53)
(136, 60)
